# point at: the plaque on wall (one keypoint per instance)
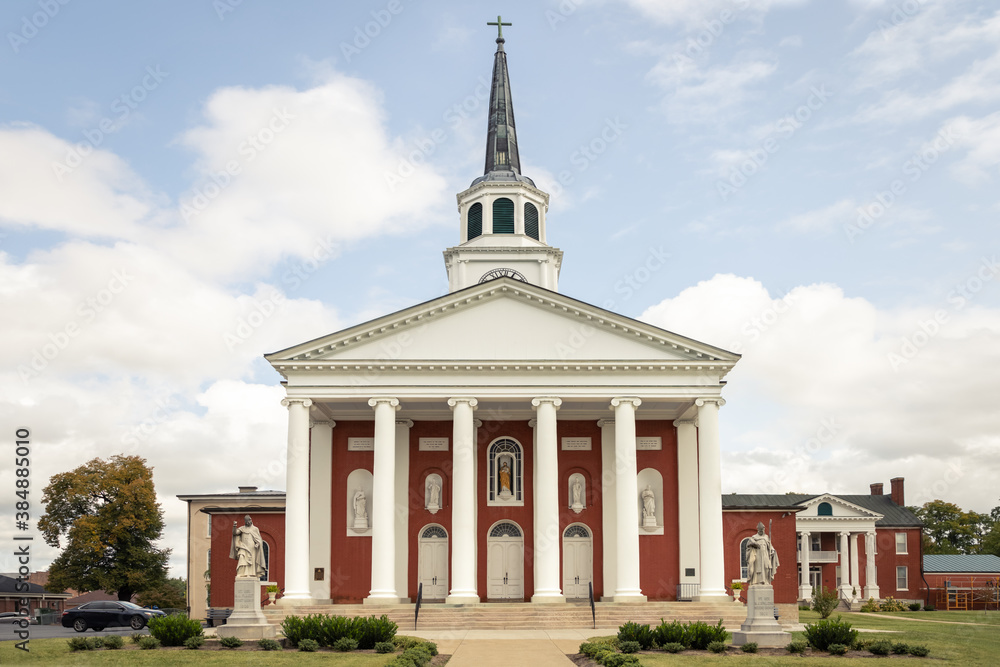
(433, 444)
(361, 444)
(576, 444)
(649, 443)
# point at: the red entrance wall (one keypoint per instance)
(351, 578)
(659, 560)
(736, 526)
(587, 464)
(423, 464)
(223, 568)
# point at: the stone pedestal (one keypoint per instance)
(247, 620)
(760, 626)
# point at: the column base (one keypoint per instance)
(462, 599)
(805, 593)
(377, 600)
(872, 592)
(629, 597)
(295, 601)
(544, 598)
(720, 596)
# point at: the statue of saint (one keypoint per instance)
(648, 503)
(505, 476)
(247, 550)
(434, 494)
(762, 559)
(577, 492)
(360, 505)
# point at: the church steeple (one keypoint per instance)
(503, 226)
(501, 136)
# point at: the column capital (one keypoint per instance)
(718, 400)
(306, 402)
(685, 422)
(322, 422)
(536, 402)
(473, 402)
(394, 402)
(408, 423)
(478, 423)
(601, 423)
(845, 533)
(532, 423)
(625, 400)
(804, 533)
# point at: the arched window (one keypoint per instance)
(744, 573)
(475, 220)
(824, 509)
(505, 472)
(503, 216)
(435, 532)
(531, 220)
(267, 561)
(576, 530)
(505, 529)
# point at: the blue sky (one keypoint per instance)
(821, 174)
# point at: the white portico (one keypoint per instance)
(503, 441)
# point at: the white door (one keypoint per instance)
(578, 562)
(433, 562)
(505, 562)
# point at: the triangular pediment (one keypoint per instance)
(841, 509)
(508, 321)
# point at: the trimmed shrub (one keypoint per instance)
(619, 660)
(825, 600)
(79, 644)
(96, 643)
(928, 607)
(194, 643)
(860, 644)
(673, 647)
(919, 650)
(370, 631)
(880, 647)
(345, 644)
(870, 607)
(293, 629)
(749, 647)
(148, 643)
(385, 647)
(699, 635)
(174, 630)
(837, 649)
(308, 645)
(136, 636)
(914, 606)
(114, 642)
(717, 647)
(590, 649)
(899, 648)
(628, 647)
(404, 642)
(634, 632)
(830, 631)
(268, 644)
(231, 642)
(669, 633)
(797, 647)
(419, 655)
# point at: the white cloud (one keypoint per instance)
(981, 138)
(693, 14)
(826, 219)
(878, 375)
(697, 95)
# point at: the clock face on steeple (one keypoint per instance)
(502, 273)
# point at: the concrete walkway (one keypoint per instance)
(503, 648)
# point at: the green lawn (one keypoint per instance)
(989, 617)
(51, 652)
(958, 644)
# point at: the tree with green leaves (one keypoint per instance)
(171, 594)
(950, 530)
(107, 513)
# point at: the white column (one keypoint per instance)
(626, 501)
(320, 497)
(403, 427)
(687, 500)
(608, 509)
(383, 503)
(871, 582)
(297, 503)
(845, 566)
(713, 565)
(547, 585)
(805, 545)
(463, 503)
(855, 570)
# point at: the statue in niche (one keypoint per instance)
(577, 503)
(648, 507)
(433, 495)
(247, 549)
(505, 488)
(360, 511)
(762, 559)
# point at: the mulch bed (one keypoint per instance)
(583, 661)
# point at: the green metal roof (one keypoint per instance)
(962, 563)
(892, 514)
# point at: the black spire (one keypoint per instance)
(501, 137)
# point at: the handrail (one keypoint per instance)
(420, 598)
(593, 611)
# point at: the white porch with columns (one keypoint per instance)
(297, 540)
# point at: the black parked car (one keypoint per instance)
(100, 615)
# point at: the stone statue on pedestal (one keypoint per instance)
(648, 508)
(761, 626)
(360, 511)
(433, 496)
(762, 559)
(247, 549)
